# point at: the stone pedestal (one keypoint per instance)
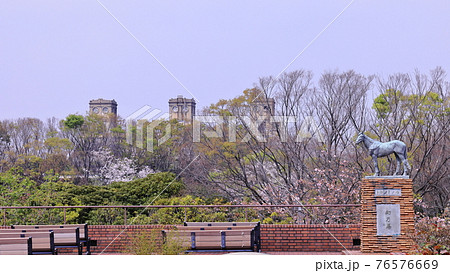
(387, 215)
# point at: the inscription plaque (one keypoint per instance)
(388, 219)
(388, 192)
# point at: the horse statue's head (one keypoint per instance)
(360, 138)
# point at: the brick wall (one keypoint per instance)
(370, 242)
(282, 238)
(274, 238)
(309, 238)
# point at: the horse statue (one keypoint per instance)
(379, 149)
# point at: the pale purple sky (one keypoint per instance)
(55, 56)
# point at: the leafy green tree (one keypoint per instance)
(74, 121)
(30, 166)
(58, 145)
(143, 191)
(180, 215)
(15, 188)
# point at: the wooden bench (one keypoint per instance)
(229, 226)
(16, 246)
(223, 240)
(193, 228)
(83, 230)
(64, 237)
(43, 242)
(217, 236)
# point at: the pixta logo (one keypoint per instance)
(144, 131)
(141, 128)
(218, 124)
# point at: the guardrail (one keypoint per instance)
(126, 207)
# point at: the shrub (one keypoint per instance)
(432, 236)
(152, 243)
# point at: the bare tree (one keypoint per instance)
(414, 108)
(282, 169)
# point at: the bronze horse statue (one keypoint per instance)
(379, 149)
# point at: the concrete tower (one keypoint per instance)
(182, 109)
(262, 109)
(103, 107)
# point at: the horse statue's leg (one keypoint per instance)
(406, 167)
(375, 163)
(403, 158)
(399, 161)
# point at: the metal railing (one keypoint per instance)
(128, 207)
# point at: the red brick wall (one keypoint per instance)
(276, 238)
(280, 238)
(309, 238)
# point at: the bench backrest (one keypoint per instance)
(16, 246)
(42, 241)
(83, 228)
(236, 232)
(193, 228)
(62, 236)
(222, 224)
